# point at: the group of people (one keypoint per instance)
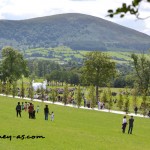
(31, 110)
(124, 124)
(101, 105)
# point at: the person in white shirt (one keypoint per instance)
(124, 124)
(52, 116)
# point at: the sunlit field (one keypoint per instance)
(72, 129)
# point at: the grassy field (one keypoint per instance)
(63, 54)
(72, 129)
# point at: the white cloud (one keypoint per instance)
(24, 9)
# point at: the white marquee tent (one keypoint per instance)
(38, 85)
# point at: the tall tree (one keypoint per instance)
(126, 103)
(42, 93)
(22, 90)
(144, 105)
(79, 96)
(14, 88)
(98, 69)
(54, 95)
(65, 94)
(134, 97)
(120, 100)
(13, 64)
(31, 90)
(92, 96)
(104, 96)
(110, 102)
(142, 69)
(0, 86)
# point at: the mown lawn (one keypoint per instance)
(72, 129)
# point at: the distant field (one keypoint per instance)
(72, 129)
(63, 54)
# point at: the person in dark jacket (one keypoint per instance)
(46, 112)
(131, 120)
(30, 110)
(18, 109)
(135, 110)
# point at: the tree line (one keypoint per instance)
(98, 70)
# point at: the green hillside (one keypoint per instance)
(77, 31)
(63, 55)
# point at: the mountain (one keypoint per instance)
(77, 31)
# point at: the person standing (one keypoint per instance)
(131, 120)
(46, 112)
(30, 110)
(52, 116)
(25, 106)
(18, 109)
(124, 124)
(37, 108)
(135, 110)
(22, 106)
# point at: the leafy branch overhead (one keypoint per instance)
(133, 9)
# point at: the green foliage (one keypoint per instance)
(22, 90)
(42, 93)
(63, 76)
(65, 94)
(42, 67)
(8, 87)
(126, 103)
(54, 95)
(134, 97)
(1, 86)
(110, 102)
(142, 68)
(120, 101)
(144, 104)
(78, 96)
(104, 96)
(13, 64)
(92, 96)
(133, 9)
(98, 69)
(14, 88)
(31, 90)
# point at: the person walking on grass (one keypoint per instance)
(124, 124)
(46, 112)
(18, 109)
(52, 116)
(131, 120)
(37, 108)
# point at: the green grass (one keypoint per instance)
(72, 129)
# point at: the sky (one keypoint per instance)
(25, 9)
